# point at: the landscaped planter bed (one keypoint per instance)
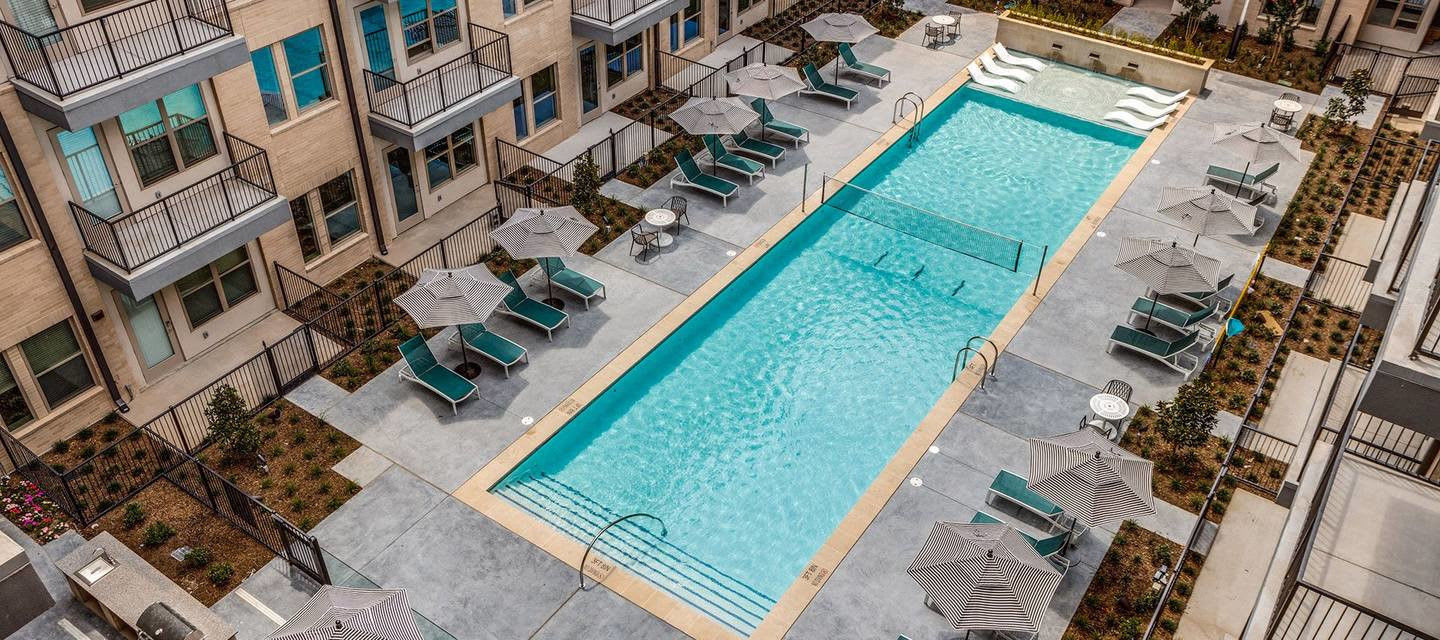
(1119, 601)
(1301, 234)
(1237, 368)
(1323, 331)
(1183, 477)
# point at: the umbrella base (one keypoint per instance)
(468, 369)
(554, 302)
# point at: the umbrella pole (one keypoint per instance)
(550, 291)
(467, 368)
(1243, 174)
(1154, 301)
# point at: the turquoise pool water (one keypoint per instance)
(751, 430)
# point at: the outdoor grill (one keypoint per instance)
(160, 622)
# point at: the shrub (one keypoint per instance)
(85, 434)
(220, 574)
(60, 447)
(1188, 420)
(197, 558)
(133, 516)
(156, 534)
(230, 423)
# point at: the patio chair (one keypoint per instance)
(645, 240)
(572, 281)
(1166, 315)
(1017, 61)
(1049, 548)
(723, 158)
(757, 148)
(691, 176)
(933, 33)
(1119, 389)
(499, 349)
(854, 65)
(1158, 97)
(1014, 488)
(768, 122)
(1254, 182)
(679, 205)
(1206, 297)
(817, 86)
(422, 369)
(980, 77)
(529, 310)
(1171, 353)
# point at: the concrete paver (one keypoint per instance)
(1234, 570)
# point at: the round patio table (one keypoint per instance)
(661, 219)
(1110, 409)
(948, 23)
(1288, 106)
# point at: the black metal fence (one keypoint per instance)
(1340, 283)
(1410, 79)
(608, 11)
(1427, 342)
(71, 59)
(1312, 612)
(408, 103)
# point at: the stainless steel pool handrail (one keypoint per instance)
(664, 531)
(961, 362)
(994, 347)
(918, 103)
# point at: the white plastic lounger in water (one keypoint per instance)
(1156, 96)
(999, 83)
(994, 68)
(1130, 119)
(1145, 109)
(1011, 59)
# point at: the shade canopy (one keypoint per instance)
(445, 297)
(1166, 267)
(1256, 143)
(343, 613)
(544, 233)
(839, 27)
(765, 81)
(1092, 479)
(700, 116)
(1207, 211)
(984, 576)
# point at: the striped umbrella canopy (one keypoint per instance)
(544, 233)
(1256, 143)
(1091, 478)
(701, 116)
(344, 613)
(445, 297)
(1166, 267)
(984, 577)
(839, 27)
(764, 81)
(1207, 211)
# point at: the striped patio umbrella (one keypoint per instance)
(1167, 268)
(554, 232)
(1207, 211)
(700, 116)
(764, 81)
(1091, 478)
(343, 613)
(1256, 143)
(446, 297)
(984, 577)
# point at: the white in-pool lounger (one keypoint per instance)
(999, 83)
(1140, 107)
(993, 68)
(1011, 59)
(1156, 96)
(1128, 118)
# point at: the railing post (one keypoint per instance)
(274, 370)
(310, 345)
(50, 67)
(170, 218)
(174, 27)
(110, 45)
(179, 429)
(379, 304)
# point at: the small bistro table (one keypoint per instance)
(1110, 409)
(661, 219)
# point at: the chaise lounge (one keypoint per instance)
(723, 158)
(854, 65)
(1254, 182)
(1166, 315)
(692, 177)
(493, 346)
(422, 369)
(1171, 353)
(789, 130)
(1049, 548)
(1206, 297)
(1017, 61)
(1015, 488)
(817, 86)
(572, 281)
(757, 148)
(529, 310)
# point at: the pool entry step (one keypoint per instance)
(636, 545)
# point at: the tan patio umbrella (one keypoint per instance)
(555, 232)
(454, 297)
(984, 577)
(849, 28)
(1207, 211)
(344, 613)
(1094, 480)
(1256, 143)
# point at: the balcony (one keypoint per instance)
(143, 251)
(613, 21)
(97, 69)
(432, 105)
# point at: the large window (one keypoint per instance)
(216, 287)
(12, 225)
(326, 216)
(1398, 14)
(428, 25)
(57, 363)
(88, 171)
(306, 79)
(14, 410)
(624, 60)
(685, 25)
(450, 157)
(169, 135)
(545, 107)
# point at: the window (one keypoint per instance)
(212, 289)
(685, 25)
(308, 70)
(14, 411)
(89, 172)
(377, 41)
(1311, 11)
(450, 157)
(741, 6)
(1398, 14)
(510, 8)
(305, 228)
(91, 5)
(12, 231)
(544, 105)
(169, 135)
(342, 213)
(428, 25)
(34, 16)
(56, 362)
(624, 60)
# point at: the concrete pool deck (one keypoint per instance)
(477, 579)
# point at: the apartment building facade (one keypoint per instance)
(161, 157)
(1404, 26)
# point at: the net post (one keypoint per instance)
(1044, 253)
(805, 185)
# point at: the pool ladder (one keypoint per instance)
(583, 559)
(917, 109)
(962, 359)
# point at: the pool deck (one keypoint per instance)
(413, 525)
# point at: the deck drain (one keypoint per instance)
(527, 420)
(934, 449)
(730, 253)
(1100, 234)
(916, 481)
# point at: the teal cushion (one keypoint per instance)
(577, 282)
(447, 382)
(543, 314)
(1017, 488)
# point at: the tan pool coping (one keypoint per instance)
(476, 491)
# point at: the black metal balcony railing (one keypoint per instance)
(1427, 343)
(409, 103)
(83, 55)
(608, 11)
(133, 239)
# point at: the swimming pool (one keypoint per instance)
(752, 429)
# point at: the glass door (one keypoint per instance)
(402, 187)
(150, 334)
(722, 21)
(377, 41)
(89, 171)
(589, 83)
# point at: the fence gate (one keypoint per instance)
(1413, 95)
(302, 551)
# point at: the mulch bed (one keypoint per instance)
(1120, 600)
(1236, 368)
(1301, 233)
(1183, 478)
(1299, 67)
(66, 454)
(1089, 14)
(1323, 331)
(784, 28)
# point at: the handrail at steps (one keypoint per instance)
(961, 362)
(585, 558)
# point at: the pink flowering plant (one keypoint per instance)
(26, 505)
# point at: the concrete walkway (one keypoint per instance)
(1234, 571)
(1145, 18)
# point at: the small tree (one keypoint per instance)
(1188, 420)
(1284, 17)
(230, 423)
(1194, 15)
(1356, 90)
(585, 194)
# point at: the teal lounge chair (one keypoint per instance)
(1015, 488)
(850, 63)
(757, 148)
(422, 369)
(503, 351)
(1048, 548)
(1206, 297)
(790, 131)
(1253, 182)
(530, 310)
(816, 85)
(723, 158)
(567, 279)
(1171, 353)
(1179, 319)
(691, 176)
